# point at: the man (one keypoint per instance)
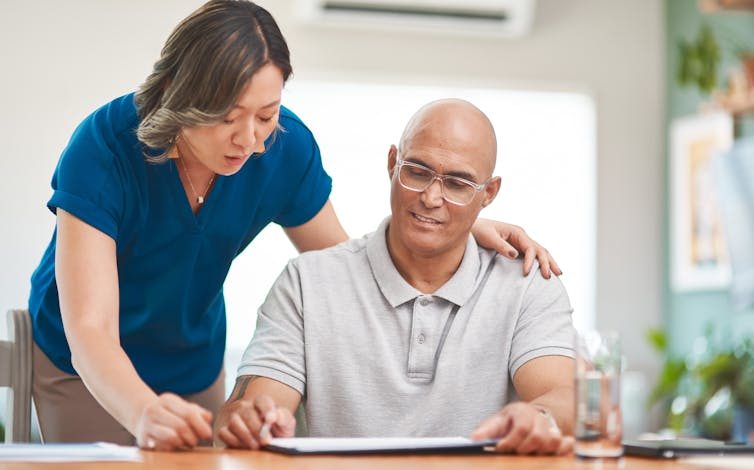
(414, 330)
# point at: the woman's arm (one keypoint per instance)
(87, 277)
(321, 231)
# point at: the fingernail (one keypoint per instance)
(264, 433)
(513, 253)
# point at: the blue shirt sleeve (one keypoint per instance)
(89, 179)
(313, 185)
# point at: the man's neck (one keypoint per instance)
(426, 273)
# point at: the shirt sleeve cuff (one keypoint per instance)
(540, 352)
(85, 210)
(274, 374)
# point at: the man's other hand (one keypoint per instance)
(523, 429)
(251, 423)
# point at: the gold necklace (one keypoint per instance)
(199, 199)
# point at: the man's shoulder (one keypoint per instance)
(344, 253)
(499, 265)
(511, 272)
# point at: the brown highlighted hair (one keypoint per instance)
(204, 66)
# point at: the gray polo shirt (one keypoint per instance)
(374, 357)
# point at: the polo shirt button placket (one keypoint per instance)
(421, 338)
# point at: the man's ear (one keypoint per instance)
(491, 190)
(392, 157)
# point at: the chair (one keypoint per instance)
(15, 373)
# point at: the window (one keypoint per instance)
(546, 158)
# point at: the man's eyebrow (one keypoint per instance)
(458, 174)
(463, 175)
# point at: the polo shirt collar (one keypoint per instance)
(458, 289)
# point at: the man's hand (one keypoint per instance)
(251, 423)
(169, 423)
(524, 429)
(509, 240)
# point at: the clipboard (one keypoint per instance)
(377, 445)
(673, 448)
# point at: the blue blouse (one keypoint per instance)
(171, 263)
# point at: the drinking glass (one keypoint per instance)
(598, 423)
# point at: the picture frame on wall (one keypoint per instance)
(699, 259)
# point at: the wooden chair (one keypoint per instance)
(15, 373)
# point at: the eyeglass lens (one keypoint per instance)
(419, 179)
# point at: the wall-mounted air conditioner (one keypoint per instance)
(476, 17)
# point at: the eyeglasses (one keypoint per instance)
(455, 190)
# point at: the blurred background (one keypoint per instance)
(614, 120)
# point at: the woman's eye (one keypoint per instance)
(228, 121)
(268, 119)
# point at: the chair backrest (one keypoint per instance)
(15, 373)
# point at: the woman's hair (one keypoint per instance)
(203, 68)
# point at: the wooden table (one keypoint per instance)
(236, 460)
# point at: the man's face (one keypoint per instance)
(425, 223)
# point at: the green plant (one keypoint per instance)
(701, 392)
(699, 60)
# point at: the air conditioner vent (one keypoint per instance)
(417, 11)
(474, 17)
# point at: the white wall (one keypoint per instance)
(61, 59)
(611, 48)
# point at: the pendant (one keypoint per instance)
(200, 199)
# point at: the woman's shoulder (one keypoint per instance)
(292, 125)
(116, 117)
(100, 167)
(103, 143)
(108, 131)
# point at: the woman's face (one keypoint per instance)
(223, 148)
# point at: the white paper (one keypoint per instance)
(728, 462)
(96, 452)
(368, 444)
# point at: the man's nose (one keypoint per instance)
(432, 196)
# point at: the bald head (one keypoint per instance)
(454, 124)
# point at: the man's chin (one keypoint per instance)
(421, 244)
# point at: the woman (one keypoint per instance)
(155, 194)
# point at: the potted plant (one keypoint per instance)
(710, 393)
(699, 60)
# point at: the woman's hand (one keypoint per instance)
(250, 423)
(509, 240)
(170, 423)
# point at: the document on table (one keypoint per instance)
(96, 452)
(378, 445)
(728, 462)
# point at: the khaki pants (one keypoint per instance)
(67, 412)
